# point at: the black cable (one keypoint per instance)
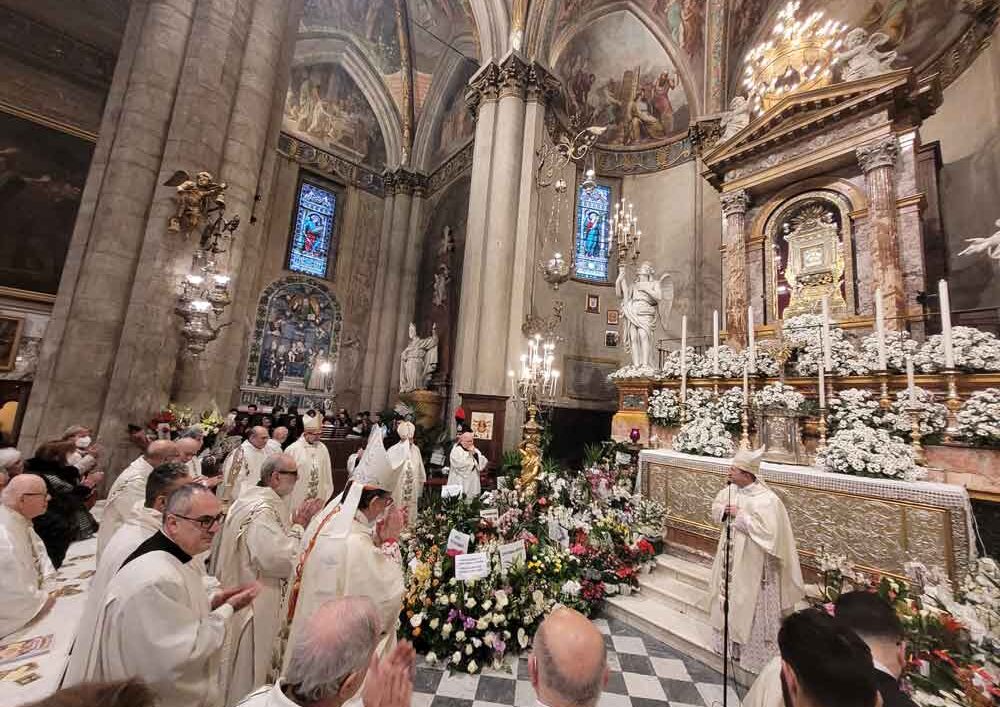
(441, 41)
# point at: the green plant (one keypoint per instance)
(592, 454)
(510, 461)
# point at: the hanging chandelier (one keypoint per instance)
(624, 232)
(798, 56)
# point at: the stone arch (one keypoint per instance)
(855, 195)
(493, 25)
(447, 75)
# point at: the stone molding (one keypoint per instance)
(736, 202)
(403, 181)
(331, 165)
(881, 153)
(460, 163)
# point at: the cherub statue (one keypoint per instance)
(531, 464)
(736, 118)
(861, 58)
(196, 199)
(990, 245)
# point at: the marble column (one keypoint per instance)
(878, 162)
(409, 280)
(378, 307)
(734, 214)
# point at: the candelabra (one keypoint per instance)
(625, 234)
(204, 296)
(535, 384)
(953, 403)
(745, 431)
(884, 401)
(918, 451)
(821, 428)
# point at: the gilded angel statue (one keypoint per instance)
(990, 245)
(196, 199)
(644, 304)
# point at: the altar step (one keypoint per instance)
(668, 609)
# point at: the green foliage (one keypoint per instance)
(510, 461)
(592, 454)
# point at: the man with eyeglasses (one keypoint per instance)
(27, 572)
(259, 542)
(156, 622)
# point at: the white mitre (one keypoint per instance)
(748, 460)
(312, 421)
(374, 471)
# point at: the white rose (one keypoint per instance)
(431, 658)
(476, 642)
(470, 603)
(446, 630)
(522, 638)
(468, 649)
(487, 605)
(453, 598)
(472, 666)
(456, 657)
(460, 636)
(501, 598)
(434, 623)
(416, 620)
(482, 624)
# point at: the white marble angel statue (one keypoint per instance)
(990, 245)
(644, 304)
(736, 118)
(861, 58)
(418, 360)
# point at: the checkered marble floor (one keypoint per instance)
(644, 672)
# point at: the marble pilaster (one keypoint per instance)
(734, 213)
(878, 162)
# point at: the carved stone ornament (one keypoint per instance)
(815, 261)
(404, 182)
(736, 202)
(484, 86)
(861, 57)
(881, 153)
(514, 76)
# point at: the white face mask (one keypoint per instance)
(83, 442)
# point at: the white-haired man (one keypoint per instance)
(11, 464)
(568, 665)
(27, 572)
(765, 578)
(259, 542)
(467, 463)
(334, 656)
(156, 621)
(241, 469)
(408, 466)
(276, 444)
(313, 458)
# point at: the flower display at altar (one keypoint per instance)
(866, 451)
(664, 407)
(727, 407)
(854, 406)
(932, 416)
(578, 538)
(176, 418)
(979, 418)
(804, 333)
(975, 350)
(706, 436)
(778, 395)
(672, 363)
(731, 363)
(898, 346)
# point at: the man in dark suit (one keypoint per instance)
(876, 622)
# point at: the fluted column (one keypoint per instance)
(734, 214)
(878, 162)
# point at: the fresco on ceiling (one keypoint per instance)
(372, 23)
(457, 123)
(615, 73)
(326, 108)
(917, 29)
(438, 27)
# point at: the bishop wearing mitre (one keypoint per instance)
(346, 549)
(765, 578)
(241, 469)
(313, 460)
(408, 467)
(465, 464)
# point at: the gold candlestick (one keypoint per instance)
(953, 403)
(745, 436)
(885, 402)
(918, 451)
(821, 427)
(715, 385)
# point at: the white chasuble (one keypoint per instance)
(156, 623)
(464, 469)
(315, 473)
(128, 490)
(240, 471)
(259, 543)
(27, 574)
(410, 476)
(766, 689)
(268, 696)
(761, 539)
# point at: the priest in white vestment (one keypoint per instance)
(408, 466)
(242, 467)
(765, 577)
(27, 574)
(346, 549)
(312, 456)
(276, 445)
(156, 622)
(259, 543)
(144, 522)
(466, 462)
(129, 489)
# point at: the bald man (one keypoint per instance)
(27, 572)
(276, 444)
(568, 665)
(241, 470)
(467, 463)
(129, 489)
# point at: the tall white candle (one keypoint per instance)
(880, 329)
(715, 342)
(746, 386)
(822, 388)
(911, 387)
(825, 336)
(949, 349)
(684, 345)
(752, 340)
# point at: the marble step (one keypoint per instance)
(675, 593)
(691, 573)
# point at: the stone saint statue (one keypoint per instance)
(736, 118)
(861, 58)
(418, 360)
(644, 303)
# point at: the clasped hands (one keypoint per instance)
(389, 682)
(236, 597)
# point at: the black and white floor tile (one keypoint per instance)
(644, 672)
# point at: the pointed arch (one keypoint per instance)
(448, 74)
(493, 24)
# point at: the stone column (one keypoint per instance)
(734, 214)
(878, 162)
(409, 280)
(378, 308)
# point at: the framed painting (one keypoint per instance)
(593, 304)
(10, 339)
(611, 339)
(612, 317)
(482, 425)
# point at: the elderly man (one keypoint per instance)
(276, 444)
(408, 465)
(313, 458)
(242, 467)
(11, 464)
(156, 622)
(197, 434)
(466, 464)
(333, 656)
(765, 579)
(568, 665)
(144, 522)
(129, 489)
(259, 543)
(27, 572)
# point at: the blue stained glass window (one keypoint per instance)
(592, 237)
(312, 232)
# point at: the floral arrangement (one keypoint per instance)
(838, 575)
(778, 395)
(731, 363)
(805, 332)
(865, 451)
(898, 347)
(672, 363)
(932, 416)
(975, 350)
(727, 407)
(706, 436)
(979, 418)
(854, 406)
(767, 364)
(664, 407)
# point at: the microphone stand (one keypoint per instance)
(728, 523)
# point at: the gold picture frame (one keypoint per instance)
(10, 340)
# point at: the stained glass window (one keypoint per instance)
(312, 230)
(592, 215)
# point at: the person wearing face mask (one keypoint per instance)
(242, 467)
(408, 466)
(312, 456)
(85, 454)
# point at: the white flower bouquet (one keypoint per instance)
(932, 416)
(898, 346)
(979, 418)
(805, 333)
(863, 451)
(854, 406)
(672, 363)
(730, 363)
(975, 350)
(706, 436)
(778, 395)
(664, 407)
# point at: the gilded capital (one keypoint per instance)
(542, 86)
(735, 202)
(405, 182)
(881, 153)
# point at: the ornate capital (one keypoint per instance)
(542, 86)
(514, 73)
(881, 153)
(483, 86)
(405, 182)
(735, 202)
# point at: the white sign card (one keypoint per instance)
(451, 490)
(489, 514)
(512, 553)
(458, 540)
(623, 458)
(437, 457)
(472, 566)
(558, 534)
(502, 482)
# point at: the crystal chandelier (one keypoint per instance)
(624, 232)
(204, 296)
(534, 386)
(798, 56)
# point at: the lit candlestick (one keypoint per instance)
(684, 342)
(822, 388)
(949, 349)
(827, 353)
(880, 330)
(752, 336)
(911, 386)
(746, 386)
(715, 342)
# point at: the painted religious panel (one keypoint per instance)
(312, 247)
(42, 173)
(592, 238)
(616, 73)
(457, 123)
(439, 28)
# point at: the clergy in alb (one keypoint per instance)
(408, 466)
(765, 579)
(156, 622)
(259, 543)
(144, 522)
(242, 467)
(465, 464)
(129, 489)
(315, 472)
(27, 573)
